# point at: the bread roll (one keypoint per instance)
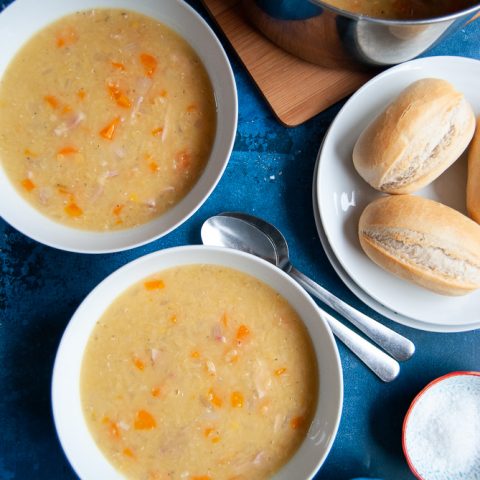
(473, 182)
(424, 242)
(416, 138)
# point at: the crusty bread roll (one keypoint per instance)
(473, 182)
(416, 138)
(424, 242)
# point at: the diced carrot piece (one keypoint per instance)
(120, 98)
(113, 429)
(195, 354)
(66, 37)
(157, 131)
(139, 363)
(207, 431)
(173, 319)
(52, 101)
(242, 333)
(118, 66)
(67, 151)
(112, 90)
(109, 130)
(155, 392)
(215, 439)
(163, 93)
(237, 400)
(280, 371)
(192, 108)
(149, 63)
(153, 166)
(66, 109)
(73, 210)
(215, 400)
(28, 185)
(144, 421)
(154, 284)
(118, 221)
(128, 453)
(81, 94)
(297, 422)
(117, 210)
(201, 477)
(123, 101)
(28, 153)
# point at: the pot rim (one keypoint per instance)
(384, 21)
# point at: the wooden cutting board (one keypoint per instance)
(296, 90)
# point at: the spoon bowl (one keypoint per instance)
(274, 235)
(234, 232)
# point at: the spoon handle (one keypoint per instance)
(392, 342)
(385, 367)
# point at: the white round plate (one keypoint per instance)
(22, 19)
(77, 442)
(342, 195)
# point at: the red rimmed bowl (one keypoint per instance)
(441, 430)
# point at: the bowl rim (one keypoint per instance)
(465, 12)
(458, 373)
(247, 263)
(81, 240)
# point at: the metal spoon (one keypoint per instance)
(228, 231)
(395, 344)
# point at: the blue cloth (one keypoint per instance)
(269, 174)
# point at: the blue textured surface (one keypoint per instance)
(40, 288)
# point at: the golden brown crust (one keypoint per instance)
(410, 120)
(473, 182)
(437, 225)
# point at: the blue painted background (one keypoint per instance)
(40, 288)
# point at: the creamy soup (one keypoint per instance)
(107, 119)
(403, 9)
(199, 373)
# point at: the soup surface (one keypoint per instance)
(402, 9)
(199, 373)
(107, 119)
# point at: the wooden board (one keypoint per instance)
(296, 90)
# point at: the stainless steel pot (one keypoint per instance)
(328, 36)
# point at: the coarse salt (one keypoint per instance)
(442, 436)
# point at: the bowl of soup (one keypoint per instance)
(197, 363)
(117, 118)
(359, 34)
